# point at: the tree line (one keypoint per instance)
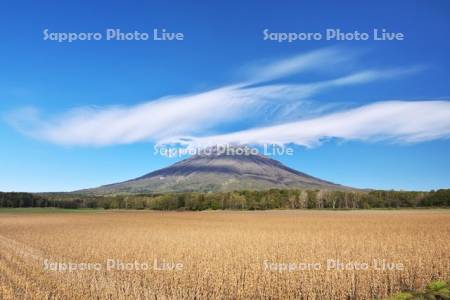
(241, 200)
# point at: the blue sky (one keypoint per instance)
(49, 91)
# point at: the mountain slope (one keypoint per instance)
(219, 172)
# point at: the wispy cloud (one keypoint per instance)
(397, 121)
(208, 113)
(318, 60)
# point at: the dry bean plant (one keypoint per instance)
(224, 254)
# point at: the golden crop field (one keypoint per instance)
(221, 255)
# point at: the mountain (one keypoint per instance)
(219, 171)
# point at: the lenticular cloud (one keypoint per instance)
(253, 111)
(397, 121)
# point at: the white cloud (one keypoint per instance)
(398, 121)
(199, 114)
(317, 60)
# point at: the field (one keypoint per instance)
(226, 254)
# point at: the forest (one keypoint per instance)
(238, 200)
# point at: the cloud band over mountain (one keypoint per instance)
(399, 121)
(269, 110)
